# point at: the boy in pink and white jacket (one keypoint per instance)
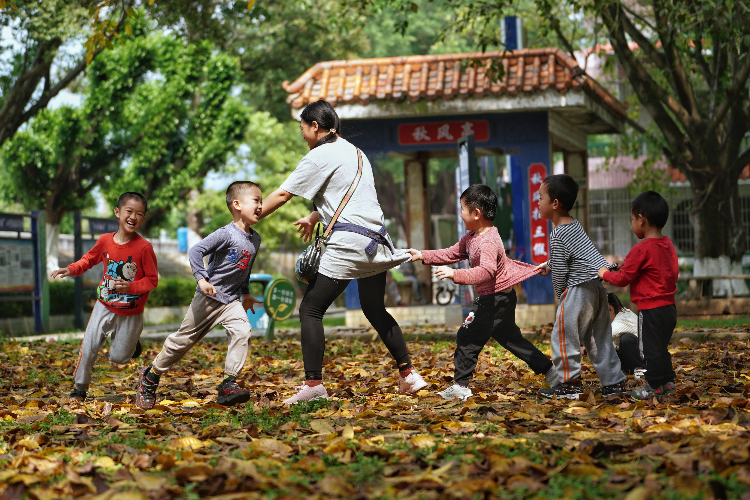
(493, 276)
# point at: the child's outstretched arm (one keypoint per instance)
(629, 271)
(92, 258)
(450, 255)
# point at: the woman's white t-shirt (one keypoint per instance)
(625, 322)
(324, 176)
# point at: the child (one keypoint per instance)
(651, 270)
(129, 275)
(625, 337)
(583, 314)
(493, 275)
(231, 251)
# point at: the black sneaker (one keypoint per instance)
(231, 394)
(568, 390)
(138, 350)
(146, 394)
(609, 390)
(78, 394)
(669, 388)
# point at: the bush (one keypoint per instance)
(172, 292)
(61, 297)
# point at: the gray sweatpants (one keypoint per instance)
(124, 332)
(583, 318)
(202, 316)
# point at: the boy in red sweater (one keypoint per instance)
(493, 276)
(129, 275)
(651, 270)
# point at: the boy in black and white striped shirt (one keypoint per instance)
(583, 311)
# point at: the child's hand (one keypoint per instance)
(444, 272)
(206, 287)
(248, 302)
(415, 254)
(601, 271)
(544, 269)
(63, 272)
(121, 286)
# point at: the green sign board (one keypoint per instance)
(279, 300)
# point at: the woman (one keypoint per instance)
(625, 337)
(324, 176)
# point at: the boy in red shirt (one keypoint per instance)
(651, 270)
(129, 275)
(493, 276)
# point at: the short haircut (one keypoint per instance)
(652, 206)
(563, 188)
(132, 195)
(481, 197)
(238, 189)
(614, 301)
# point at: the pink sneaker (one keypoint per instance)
(411, 383)
(307, 393)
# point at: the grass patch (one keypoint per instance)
(714, 322)
(295, 323)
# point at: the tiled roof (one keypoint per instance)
(447, 76)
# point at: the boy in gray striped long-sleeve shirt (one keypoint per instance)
(222, 297)
(583, 312)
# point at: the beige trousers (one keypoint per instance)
(202, 316)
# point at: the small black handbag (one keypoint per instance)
(308, 262)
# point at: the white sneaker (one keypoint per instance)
(411, 383)
(639, 372)
(307, 393)
(456, 392)
(551, 377)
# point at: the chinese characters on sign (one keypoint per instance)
(538, 226)
(441, 132)
(279, 299)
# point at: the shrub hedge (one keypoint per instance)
(170, 292)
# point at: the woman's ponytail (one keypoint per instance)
(325, 116)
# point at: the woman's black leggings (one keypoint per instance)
(319, 296)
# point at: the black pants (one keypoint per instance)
(630, 354)
(493, 316)
(319, 296)
(655, 328)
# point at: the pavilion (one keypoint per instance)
(417, 107)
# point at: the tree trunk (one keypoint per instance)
(719, 232)
(194, 216)
(52, 247)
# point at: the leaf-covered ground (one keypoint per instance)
(368, 442)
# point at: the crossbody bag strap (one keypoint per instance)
(347, 197)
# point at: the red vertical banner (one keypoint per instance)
(538, 227)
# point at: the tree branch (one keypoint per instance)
(698, 56)
(639, 17)
(680, 79)
(62, 84)
(644, 43)
(561, 36)
(738, 87)
(653, 97)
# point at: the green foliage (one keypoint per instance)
(276, 148)
(172, 292)
(213, 207)
(180, 125)
(61, 301)
(65, 153)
